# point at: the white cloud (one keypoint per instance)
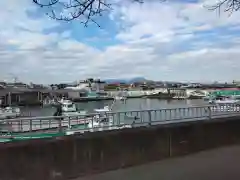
(158, 42)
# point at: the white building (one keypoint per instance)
(89, 85)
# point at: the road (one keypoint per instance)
(218, 164)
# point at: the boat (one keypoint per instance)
(224, 100)
(49, 102)
(225, 103)
(160, 95)
(63, 100)
(121, 98)
(100, 120)
(206, 98)
(69, 108)
(196, 94)
(103, 120)
(9, 112)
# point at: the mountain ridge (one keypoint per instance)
(132, 80)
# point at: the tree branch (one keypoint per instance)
(227, 5)
(83, 10)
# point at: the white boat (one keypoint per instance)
(104, 109)
(121, 98)
(225, 100)
(9, 112)
(49, 102)
(63, 100)
(102, 119)
(225, 104)
(69, 108)
(206, 98)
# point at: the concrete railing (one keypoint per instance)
(124, 119)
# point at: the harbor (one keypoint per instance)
(33, 97)
(74, 153)
(129, 104)
(90, 88)
(101, 135)
(96, 126)
(20, 94)
(104, 120)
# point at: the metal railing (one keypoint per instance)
(71, 124)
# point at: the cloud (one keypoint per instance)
(161, 41)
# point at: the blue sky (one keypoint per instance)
(175, 40)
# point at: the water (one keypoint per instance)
(131, 104)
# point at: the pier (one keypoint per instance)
(154, 134)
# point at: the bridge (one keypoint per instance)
(58, 148)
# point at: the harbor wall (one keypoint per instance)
(79, 155)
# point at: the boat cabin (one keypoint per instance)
(69, 106)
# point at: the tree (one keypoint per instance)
(86, 10)
(83, 10)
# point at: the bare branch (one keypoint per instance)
(83, 10)
(229, 6)
(50, 3)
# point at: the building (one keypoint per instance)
(89, 85)
(97, 85)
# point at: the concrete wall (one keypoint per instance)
(78, 155)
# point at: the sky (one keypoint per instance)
(173, 41)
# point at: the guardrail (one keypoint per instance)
(70, 124)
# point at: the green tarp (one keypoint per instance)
(19, 137)
(226, 93)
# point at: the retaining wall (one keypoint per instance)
(79, 155)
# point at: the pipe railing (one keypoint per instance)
(120, 119)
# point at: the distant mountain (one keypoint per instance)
(132, 80)
(136, 79)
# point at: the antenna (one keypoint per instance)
(15, 78)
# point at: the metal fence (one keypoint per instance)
(127, 119)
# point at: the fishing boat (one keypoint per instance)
(207, 98)
(104, 120)
(121, 98)
(49, 102)
(224, 100)
(225, 103)
(69, 108)
(9, 112)
(101, 119)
